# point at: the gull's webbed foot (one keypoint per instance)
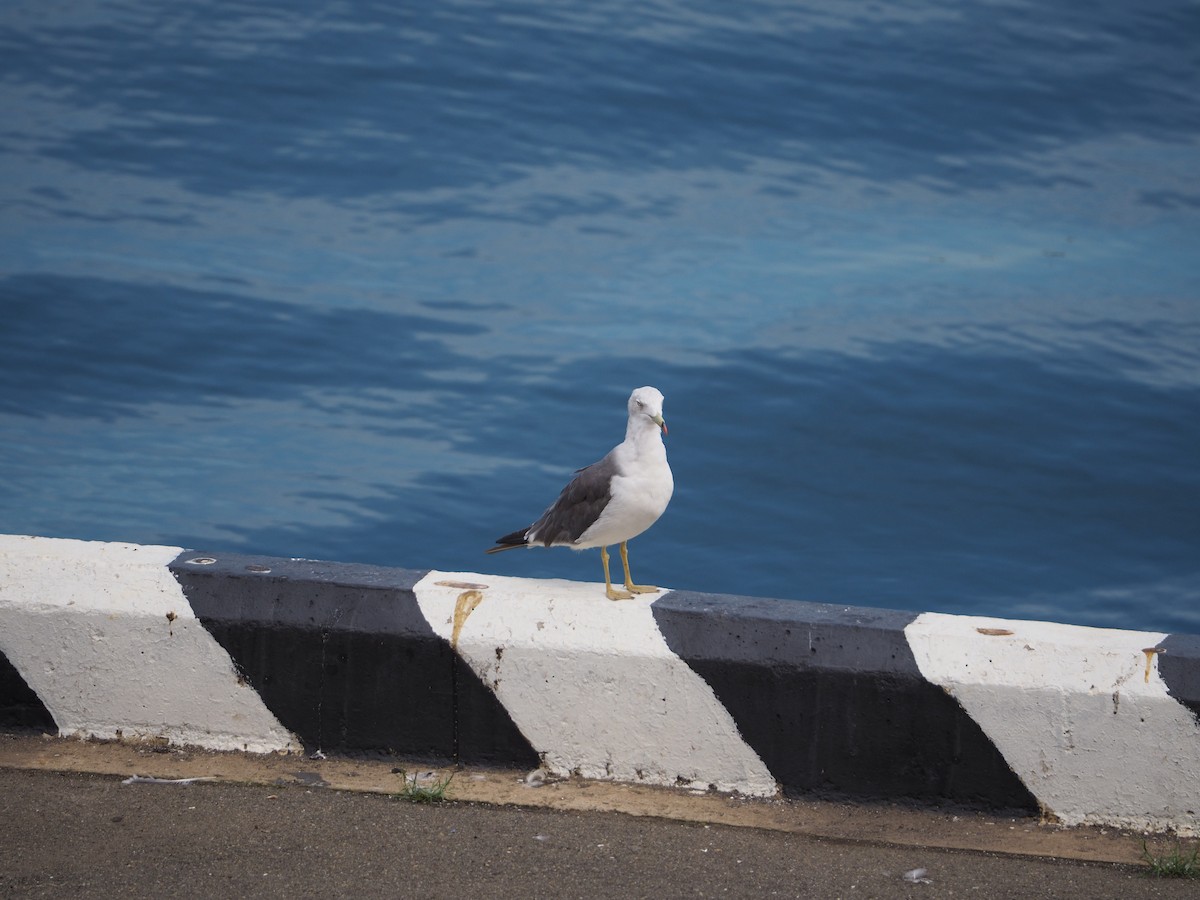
(640, 588)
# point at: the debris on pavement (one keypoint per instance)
(141, 779)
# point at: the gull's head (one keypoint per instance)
(648, 402)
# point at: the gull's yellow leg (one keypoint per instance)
(613, 593)
(629, 585)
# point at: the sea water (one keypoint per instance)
(367, 281)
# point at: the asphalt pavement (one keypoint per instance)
(83, 835)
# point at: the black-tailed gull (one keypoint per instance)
(611, 501)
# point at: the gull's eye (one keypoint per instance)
(640, 404)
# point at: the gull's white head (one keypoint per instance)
(648, 402)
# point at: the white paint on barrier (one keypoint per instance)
(592, 684)
(1080, 714)
(104, 635)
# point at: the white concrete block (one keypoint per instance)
(592, 684)
(1080, 714)
(104, 635)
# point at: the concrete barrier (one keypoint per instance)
(681, 689)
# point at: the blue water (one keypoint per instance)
(920, 281)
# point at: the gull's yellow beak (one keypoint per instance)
(658, 420)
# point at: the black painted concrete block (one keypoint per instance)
(831, 699)
(1179, 666)
(20, 707)
(342, 655)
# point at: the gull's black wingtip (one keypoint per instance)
(510, 542)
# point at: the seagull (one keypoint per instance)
(611, 501)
